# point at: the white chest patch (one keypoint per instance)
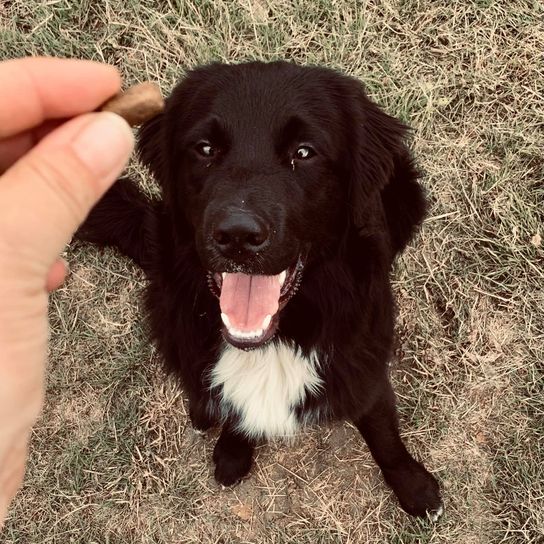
(263, 386)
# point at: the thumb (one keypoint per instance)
(47, 194)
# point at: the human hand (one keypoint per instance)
(52, 171)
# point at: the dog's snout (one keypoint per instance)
(239, 233)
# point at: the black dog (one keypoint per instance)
(287, 194)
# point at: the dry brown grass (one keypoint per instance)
(113, 459)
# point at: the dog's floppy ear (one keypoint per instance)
(384, 188)
(151, 147)
(376, 143)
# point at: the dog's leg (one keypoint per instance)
(126, 219)
(233, 455)
(416, 489)
(200, 418)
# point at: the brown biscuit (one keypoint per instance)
(137, 104)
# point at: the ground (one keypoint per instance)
(113, 459)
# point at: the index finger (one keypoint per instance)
(33, 90)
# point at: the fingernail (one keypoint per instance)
(104, 144)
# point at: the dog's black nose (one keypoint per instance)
(240, 233)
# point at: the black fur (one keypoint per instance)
(350, 209)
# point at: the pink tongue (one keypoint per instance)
(247, 300)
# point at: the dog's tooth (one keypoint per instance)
(281, 277)
(224, 275)
(266, 322)
(225, 319)
(245, 335)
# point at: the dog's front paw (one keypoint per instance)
(416, 489)
(231, 465)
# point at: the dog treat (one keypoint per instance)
(137, 104)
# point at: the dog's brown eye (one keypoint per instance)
(304, 152)
(205, 149)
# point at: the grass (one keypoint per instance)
(113, 460)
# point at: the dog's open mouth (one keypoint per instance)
(250, 304)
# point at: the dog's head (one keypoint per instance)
(267, 165)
